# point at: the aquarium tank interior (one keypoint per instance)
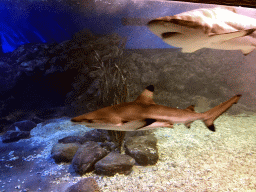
(127, 95)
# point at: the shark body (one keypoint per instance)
(144, 114)
(216, 28)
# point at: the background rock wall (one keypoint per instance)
(44, 81)
(205, 78)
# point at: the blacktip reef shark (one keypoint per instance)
(144, 114)
(216, 28)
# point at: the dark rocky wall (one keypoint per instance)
(43, 81)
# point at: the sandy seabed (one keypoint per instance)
(196, 159)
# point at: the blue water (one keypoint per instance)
(46, 22)
(33, 23)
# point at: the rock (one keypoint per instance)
(138, 133)
(64, 152)
(72, 139)
(97, 135)
(93, 135)
(84, 185)
(4, 72)
(109, 146)
(22, 126)
(13, 136)
(86, 157)
(115, 163)
(4, 122)
(143, 149)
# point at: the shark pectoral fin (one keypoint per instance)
(135, 125)
(209, 123)
(170, 35)
(147, 123)
(129, 126)
(156, 124)
(210, 126)
(231, 35)
(190, 108)
(248, 50)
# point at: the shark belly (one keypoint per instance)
(216, 28)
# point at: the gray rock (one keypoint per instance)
(72, 139)
(96, 135)
(13, 136)
(143, 149)
(109, 146)
(22, 126)
(93, 135)
(85, 185)
(64, 152)
(115, 163)
(86, 157)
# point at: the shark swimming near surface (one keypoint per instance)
(216, 28)
(144, 114)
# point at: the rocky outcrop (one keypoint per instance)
(86, 157)
(18, 130)
(84, 185)
(44, 81)
(13, 136)
(115, 163)
(22, 126)
(143, 149)
(64, 152)
(96, 135)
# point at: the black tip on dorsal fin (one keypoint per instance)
(150, 88)
(250, 31)
(146, 96)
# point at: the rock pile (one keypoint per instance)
(95, 151)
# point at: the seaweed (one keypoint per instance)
(110, 69)
(113, 80)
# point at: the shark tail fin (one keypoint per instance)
(215, 112)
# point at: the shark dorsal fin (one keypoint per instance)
(146, 96)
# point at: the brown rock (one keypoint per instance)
(115, 163)
(72, 139)
(143, 149)
(86, 156)
(85, 185)
(64, 152)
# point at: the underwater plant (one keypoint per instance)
(110, 68)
